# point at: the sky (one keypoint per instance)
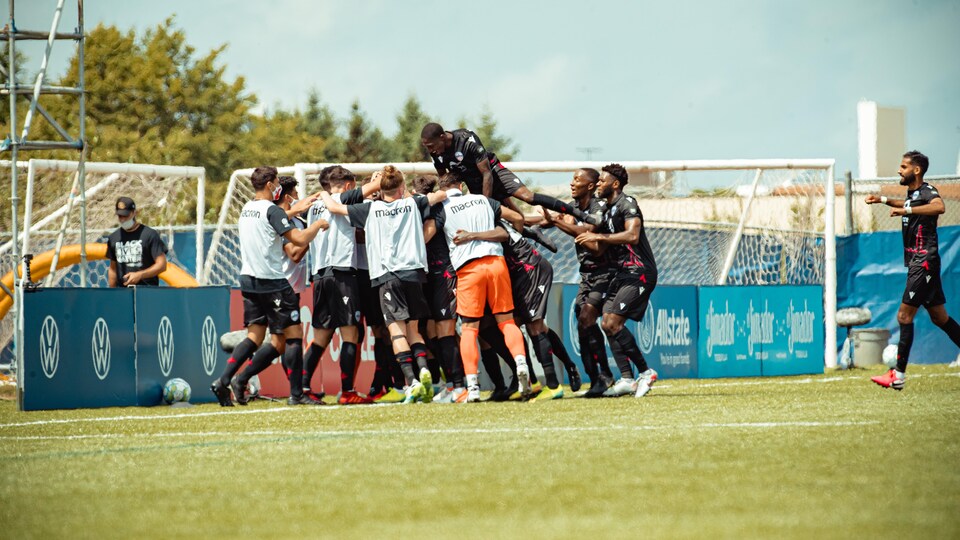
(635, 80)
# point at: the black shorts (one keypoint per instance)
(276, 310)
(336, 300)
(629, 295)
(505, 183)
(441, 293)
(403, 301)
(530, 293)
(369, 300)
(593, 288)
(924, 287)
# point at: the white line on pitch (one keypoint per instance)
(141, 417)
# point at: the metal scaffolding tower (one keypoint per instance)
(15, 144)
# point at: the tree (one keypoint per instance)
(486, 129)
(410, 121)
(365, 143)
(319, 121)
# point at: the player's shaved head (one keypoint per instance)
(431, 131)
(592, 175)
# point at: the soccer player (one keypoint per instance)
(336, 291)
(136, 252)
(631, 286)
(441, 293)
(482, 277)
(396, 254)
(268, 298)
(918, 213)
(595, 276)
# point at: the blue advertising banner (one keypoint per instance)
(796, 347)
(178, 335)
(568, 331)
(78, 349)
(725, 345)
(667, 335)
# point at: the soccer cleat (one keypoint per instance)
(622, 387)
(537, 234)
(890, 379)
(426, 381)
(550, 393)
(523, 379)
(535, 390)
(500, 394)
(444, 396)
(473, 394)
(597, 388)
(413, 393)
(647, 378)
(303, 399)
(239, 392)
(574, 375)
(390, 396)
(955, 363)
(222, 393)
(350, 397)
(461, 395)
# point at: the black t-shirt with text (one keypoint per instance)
(920, 232)
(631, 259)
(461, 158)
(590, 262)
(134, 251)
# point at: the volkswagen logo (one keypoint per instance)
(49, 347)
(165, 346)
(645, 329)
(100, 349)
(208, 345)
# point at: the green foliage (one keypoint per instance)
(410, 121)
(365, 142)
(493, 141)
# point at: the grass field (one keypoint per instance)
(825, 456)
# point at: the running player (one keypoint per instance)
(482, 277)
(595, 276)
(919, 213)
(635, 278)
(268, 298)
(396, 254)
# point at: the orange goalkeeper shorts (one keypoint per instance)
(481, 282)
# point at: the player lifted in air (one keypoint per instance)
(631, 286)
(919, 213)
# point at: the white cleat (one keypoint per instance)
(413, 393)
(444, 396)
(523, 376)
(473, 394)
(647, 378)
(624, 386)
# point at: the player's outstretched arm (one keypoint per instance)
(567, 223)
(372, 186)
(629, 235)
(513, 217)
(878, 199)
(429, 230)
(303, 237)
(301, 206)
(338, 208)
(484, 167)
(933, 208)
(497, 234)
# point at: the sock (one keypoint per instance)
(526, 355)
(435, 360)
(311, 359)
(469, 351)
(419, 351)
(396, 373)
(541, 343)
(405, 359)
(559, 350)
(491, 365)
(453, 365)
(621, 358)
(586, 354)
(629, 346)
(553, 204)
(599, 348)
(513, 338)
(473, 380)
(260, 361)
(241, 353)
(348, 365)
(903, 348)
(384, 359)
(293, 358)
(952, 329)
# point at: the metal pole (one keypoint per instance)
(14, 200)
(82, 137)
(848, 201)
(43, 72)
(201, 209)
(732, 252)
(830, 273)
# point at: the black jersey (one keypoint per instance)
(920, 232)
(590, 262)
(462, 156)
(438, 253)
(629, 258)
(520, 255)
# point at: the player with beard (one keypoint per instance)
(634, 281)
(268, 298)
(595, 276)
(919, 213)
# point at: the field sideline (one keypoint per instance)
(824, 456)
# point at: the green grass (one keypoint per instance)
(826, 456)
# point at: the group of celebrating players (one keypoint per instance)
(408, 265)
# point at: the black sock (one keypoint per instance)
(903, 348)
(559, 350)
(587, 357)
(293, 358)
(554, 204)
(530, 370)
(599, 349)
(261, 360)
(396, 373)
(348, 365)
(405, 359)
(491, 364)
(629, 345)
(952, 329)
(621, 357)
(419, 351)
(435, 360)
(541, 343)
(311, 359)
(453, 364)
(241, 353)
(385, 364)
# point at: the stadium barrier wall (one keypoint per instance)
(88, 348)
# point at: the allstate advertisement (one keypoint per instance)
(750, 331)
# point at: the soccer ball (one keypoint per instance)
(176, 390)
(890, 355)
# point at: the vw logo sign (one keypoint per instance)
(49, 347)
(165, 346)
(573, 330)
(100, 349)
(208, 345)
(645, 329)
